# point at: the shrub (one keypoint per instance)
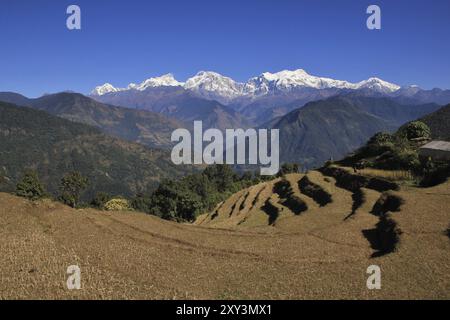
(434, 175)
(30, 187)
(271, 210)
(406, 159)
(414, 130)
(117, 204)
(287, 168)
(387, 202)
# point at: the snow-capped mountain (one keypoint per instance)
(104, 89)
(287, 80)
(212, 85)
(377, 85)
(166, 80)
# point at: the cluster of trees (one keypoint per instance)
(184, 199)
(396, 151)
(71, 188)
(179, 200)
(399, 151)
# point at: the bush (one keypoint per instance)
(30, 187)
(414, 130)
(287, 168)
(72, 185)
(406, 159)
(117, 204)
(434, 175)
(387, 202)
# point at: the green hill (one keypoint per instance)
(439, 123)
(334, 127)
(32, 139)
(145, 127)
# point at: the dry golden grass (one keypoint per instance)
(315, 255)
(391, 175)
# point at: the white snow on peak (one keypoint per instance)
(104, 89)
(216, 86)
(208, 82)
(286, 80)
(377, 85)
(166, 80)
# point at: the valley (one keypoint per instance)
(215, 154)
(146, 228)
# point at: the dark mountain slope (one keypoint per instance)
(54, 146)
(278, 104)
(390, 110)
(148, 128)
(180, 104)
(15, 98)
(325, 129)
(439, 123)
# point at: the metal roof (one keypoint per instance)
(437, 145)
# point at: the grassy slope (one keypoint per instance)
(316, 254)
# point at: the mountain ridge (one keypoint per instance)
(217, 86)
(331, 128)
(148, 128)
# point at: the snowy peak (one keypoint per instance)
(213, 85)
(166, 80)
(377, 84)
(287, 80)
(104, 89)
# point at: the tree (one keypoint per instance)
(221, 175)
(141, 203)
(30, 187)
(414, 130)
(72, 185)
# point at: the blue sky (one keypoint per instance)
(129, 41)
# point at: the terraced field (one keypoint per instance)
(302, 236)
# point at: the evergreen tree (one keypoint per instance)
(30, 187)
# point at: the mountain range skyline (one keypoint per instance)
(216, 81)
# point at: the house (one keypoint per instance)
(436, 150)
